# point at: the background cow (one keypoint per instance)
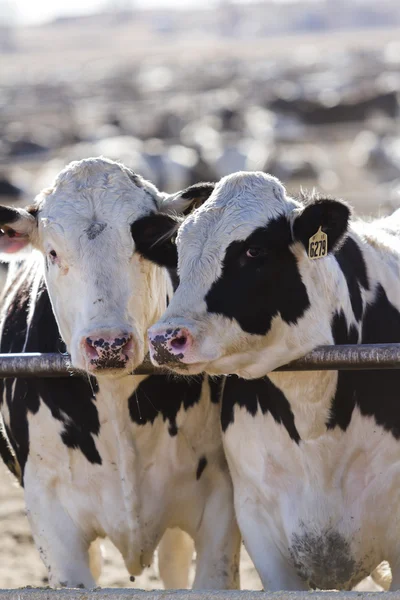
(314, 456)
(111, 454)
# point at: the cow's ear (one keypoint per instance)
(18, 228)
(187, 200)
(154, 237)
(332, 216)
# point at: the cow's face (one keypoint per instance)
(250, 298)
(88, 228)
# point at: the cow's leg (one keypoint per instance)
(382, 576)
(395, 568)
(61, 544)
(379, 580)
(96, 559)
(175, 553)
(217, 542)
(275, 571)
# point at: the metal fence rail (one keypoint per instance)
(135, 594)
(325, 358)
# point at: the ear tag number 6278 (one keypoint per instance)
(318, 245)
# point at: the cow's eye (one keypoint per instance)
(53, 255)
(254, 252)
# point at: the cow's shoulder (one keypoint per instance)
(29, 325)
(258, 397)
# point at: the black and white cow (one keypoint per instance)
(112, 454)
(314, 456)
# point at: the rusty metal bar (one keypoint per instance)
(36, 364)
(138, 594)
(324, 358)
(348, 358)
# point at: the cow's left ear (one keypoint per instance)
(154, 238)
(332, 216)
(154, 235)
(187, 200)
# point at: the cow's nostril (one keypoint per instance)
(127, 345)
(179, 342)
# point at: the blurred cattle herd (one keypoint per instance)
(324, 120)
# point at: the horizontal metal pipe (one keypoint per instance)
(135, 594)
(324, 358)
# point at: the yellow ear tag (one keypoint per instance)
(318, 245)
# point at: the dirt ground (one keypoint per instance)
(20, 564)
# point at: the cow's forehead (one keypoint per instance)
(97, 189)
(240, 203)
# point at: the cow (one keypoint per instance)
(130, 457)
(314, 456)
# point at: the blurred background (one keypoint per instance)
(183, 91)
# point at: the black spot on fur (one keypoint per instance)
(200, 467)
(162, 395)
(352, 263)
(375, 393)
(342, 332)
(254, 290)
(254, 395)
(153, 236)
(94, 230)
(216, 386)
(70, 400)
(345, 397)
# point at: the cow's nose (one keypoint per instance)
(108, 351)
(170, 345)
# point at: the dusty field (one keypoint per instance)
(20, 564)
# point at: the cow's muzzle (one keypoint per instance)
(170, 346)
(108, 350)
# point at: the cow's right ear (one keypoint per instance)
(17, 228)
(187, 200)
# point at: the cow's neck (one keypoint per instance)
(367, 312)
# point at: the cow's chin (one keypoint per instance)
(185, 369)
(241, 364)
(110, 373)
(100, 370)
(226, 365)
(244, 365)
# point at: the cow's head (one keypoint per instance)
(250, 297)
(89, 228)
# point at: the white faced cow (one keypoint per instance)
(314, 456)
(117, 455)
